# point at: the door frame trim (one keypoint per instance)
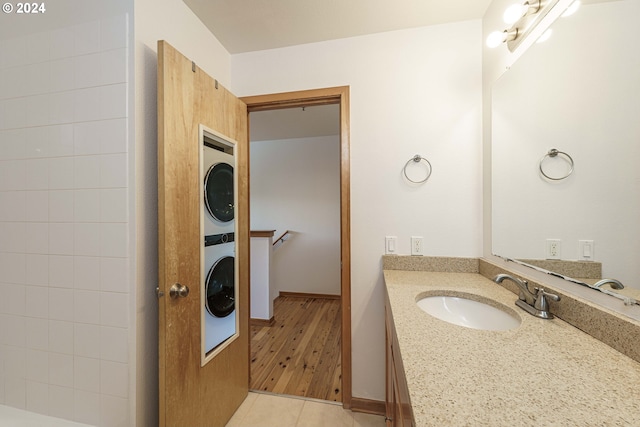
(305, 98)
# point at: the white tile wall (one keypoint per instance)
(64, 223)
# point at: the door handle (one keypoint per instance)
(178, 291)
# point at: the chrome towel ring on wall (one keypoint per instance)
(417, 159)
(554, 153)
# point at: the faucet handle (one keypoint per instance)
(541, 299)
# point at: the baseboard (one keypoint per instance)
(306, 295)
(262, 322)
(368, 406)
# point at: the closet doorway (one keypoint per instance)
(306, 348)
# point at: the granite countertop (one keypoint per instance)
(543, 373)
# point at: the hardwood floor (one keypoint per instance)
(299, 354)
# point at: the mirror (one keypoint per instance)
(579, 93)
(218, 228)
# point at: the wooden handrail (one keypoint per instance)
(281, 238)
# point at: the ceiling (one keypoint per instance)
(250, 25)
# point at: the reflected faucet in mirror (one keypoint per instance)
(615, 284)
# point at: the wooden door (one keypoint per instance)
(192, 394)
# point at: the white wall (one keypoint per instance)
(173, 21)
(295, 185)
(412, 91)
(65, 223)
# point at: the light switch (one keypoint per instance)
(586, 250)
(391, 245)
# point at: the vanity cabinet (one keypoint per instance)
(398, 404)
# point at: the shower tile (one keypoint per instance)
(37, 107)
(37, 302)
(61, 402)
(114, 240)
(61, 173)
(61, 43)
(37, 397)
(37, 175)
(86, 374)
(113, 136)
(87, 340)
(36, 142)
(62, 75)
(86, 38)
(114, 378)
(37, 365)
(113, 66)
(87, 239)
(61, 271)
(61, 370)
(61, 238)
(13, 267)
(87, 70)
(113, 274)
(87, 171)
(60, 337)
(87, 206)
(61, 107)
(38, 271)
(86, 138)
(86, 273)
(61, 304)
(113, 101)
(61, 203)
(37, 333)
(37, 238)
(114, 309)
(15, 392)
(114, 411)
(86, 407)
(114, 205)
(85, 306)
(36, 206)
(113, 171)
(113, 31)
(14, 362)
(114, 345)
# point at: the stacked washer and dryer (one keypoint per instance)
(219, 243)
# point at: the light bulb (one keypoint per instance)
(513, 13)
(545, 36)
(571, 9)
(496, 38)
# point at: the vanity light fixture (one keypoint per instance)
(516, 11)
(522, 18)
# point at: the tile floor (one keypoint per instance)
(268, 410)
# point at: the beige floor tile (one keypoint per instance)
(367, 420)
(243, 410)
(317, 414)
(272, 411)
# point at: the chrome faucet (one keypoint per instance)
(615, 284)
(533, 303)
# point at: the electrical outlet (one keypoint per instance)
(586, 250)
(417, 243)
(553, 249)
(391, 245)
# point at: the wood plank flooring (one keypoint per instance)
(299, 354)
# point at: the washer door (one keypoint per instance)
(220, 287)
(218, 191)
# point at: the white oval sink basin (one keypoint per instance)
(468, 313)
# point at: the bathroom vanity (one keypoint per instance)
(540, 373)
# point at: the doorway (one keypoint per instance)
(305, 99)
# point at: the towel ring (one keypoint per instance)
(417, 159)
(553, 153)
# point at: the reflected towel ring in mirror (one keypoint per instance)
(417, 159)
(554, 153)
